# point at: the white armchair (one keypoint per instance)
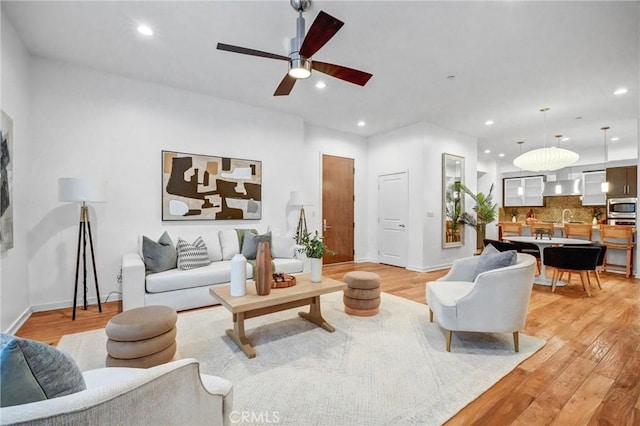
(173, 393)
(495, 302)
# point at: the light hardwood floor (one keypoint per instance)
(587, 373)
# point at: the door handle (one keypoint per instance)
(324, 225)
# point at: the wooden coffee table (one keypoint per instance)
(251, 305)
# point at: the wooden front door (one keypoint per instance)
(337, 207)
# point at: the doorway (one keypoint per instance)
(337, 208)
(393, 201)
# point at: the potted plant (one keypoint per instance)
(314, 248)
(485, 210)
(453, 212)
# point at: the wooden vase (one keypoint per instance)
(263, 271)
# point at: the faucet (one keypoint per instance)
(565, 211)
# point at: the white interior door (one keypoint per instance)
(393, 201)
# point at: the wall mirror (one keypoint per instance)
(452, 200)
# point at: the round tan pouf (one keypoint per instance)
(141, 337)
(362, 295)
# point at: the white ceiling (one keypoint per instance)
(509, 58)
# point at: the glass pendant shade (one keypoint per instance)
(546, 159)
(520, 190)
(604, 187)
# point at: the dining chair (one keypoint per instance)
(599, 262)
(581, 231)
(580, 259)
(618, 237)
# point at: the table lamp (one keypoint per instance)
(83, 191)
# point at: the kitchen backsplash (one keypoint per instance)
(552, 211)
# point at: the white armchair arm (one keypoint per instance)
(133, 281)
(462, 270)
(171, 393)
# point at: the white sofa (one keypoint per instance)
(173, 393)
(190, 289)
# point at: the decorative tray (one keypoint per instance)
(281, 280)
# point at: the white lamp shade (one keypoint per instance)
(301, 198)
(546, 159)
(81, 190)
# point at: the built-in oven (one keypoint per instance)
(621, 208)
(627, 222)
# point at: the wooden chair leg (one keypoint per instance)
(597, 274)
(554, 280)
(583, 276)
(448, 340)
(430, 315)
(516, 341)
(629, 263)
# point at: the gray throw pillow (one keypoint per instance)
(250, 244)
(490, 261)
(32, 371)
(489, 249)
(159, 256)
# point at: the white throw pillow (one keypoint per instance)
(283, 247)
(229, 243)
(191, 256)
(213, 244)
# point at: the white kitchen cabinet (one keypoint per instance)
(592, 194)
(532, 191)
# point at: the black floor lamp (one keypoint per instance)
(83, 191)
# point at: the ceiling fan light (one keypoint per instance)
(546, 159)
(300, 68)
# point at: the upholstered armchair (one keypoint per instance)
(173, 393)
(494, 301)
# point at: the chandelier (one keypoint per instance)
(546, 159)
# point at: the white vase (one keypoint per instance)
(316, 270)
(514, 219)
(594, 221)
(238, 275)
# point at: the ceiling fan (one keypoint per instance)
(303, 47)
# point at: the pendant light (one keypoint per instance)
(520, 187)
(546, 159)
(558, 188)
(604, 186)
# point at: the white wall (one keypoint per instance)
(320, 141)
(417, 149)
(92, 124)
(14, 284)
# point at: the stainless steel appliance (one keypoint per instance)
(630, 222)
(622, 208)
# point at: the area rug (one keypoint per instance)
(389, 369)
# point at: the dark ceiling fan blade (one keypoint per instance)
(253, 52)
(285, 86)
(343, 73)
(323, 28)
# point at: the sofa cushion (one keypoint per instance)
(284, 247)
(488, 262)
(250, 244)
(32, 371)
(229, 243)
(288, 266)
(191, 256)
(213, 245)
(158, 256)
(175, 279)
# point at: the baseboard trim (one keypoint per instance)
(366, 260)
(13, 328)
(69, 303)
(429, 268)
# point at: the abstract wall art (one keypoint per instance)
(6, 183)
(203, 187)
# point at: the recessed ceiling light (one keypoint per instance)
(565, 139)
(487, 151)
(361, 123)
(578, 118)
(488, 122)
(451, 77)
(145, 30)
(615, 139)
(620, 91)
(321, 85)
(501, 155)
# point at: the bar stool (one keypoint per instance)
(510, 229)
(581, 231)
(618, 237)
(572, 259)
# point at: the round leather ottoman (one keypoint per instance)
(362, 295)
(141, 337)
